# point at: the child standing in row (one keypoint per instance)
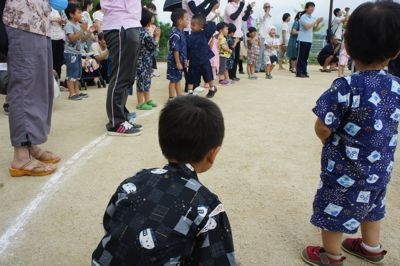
(358, 120)
(149, 44)
(200, 53)
(253, 51)
(343, 60)
(272, 45)
(224, 53)
(77, 34)
(232, 43)
(177, 56)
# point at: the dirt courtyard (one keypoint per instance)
(266, 175)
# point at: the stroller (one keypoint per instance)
(91, 71)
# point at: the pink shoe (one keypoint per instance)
(224, 82)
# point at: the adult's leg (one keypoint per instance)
(124, 48)
(30, 93)
(58, 55)
(236, 61)
(327, 62)
(307, 55)
(261, 59)
(301, 65)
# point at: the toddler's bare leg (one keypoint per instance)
(371, 233)
(331, 241)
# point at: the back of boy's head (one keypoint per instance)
(372, 33)
(200, 19)
(147, 15)
(71, 9)
(221, 26)
(285, 17)
(251, 30)
(231, 28)
(189, 127)
(177, 15)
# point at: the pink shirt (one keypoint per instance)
(231, 8)
(121, 13)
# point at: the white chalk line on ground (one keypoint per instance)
(50, 186)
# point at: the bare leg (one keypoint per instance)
(178, 89)
(71, 87)
(267, 70)
(172, 89)
(271, 68)
(341, 71)
(76, 84)
(371, 233)
(226, 75)
(249, 70)
(146, 96)
(331, 241)
(327, 62)
(140, 97)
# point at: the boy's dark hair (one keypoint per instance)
(231, 28)
(199, 18)
(309, 4)
(372, 33)
(221, 25)
(285, 17)
(85, 4)
(98, 7)
(146, 17)
(189, 127)
(177, 15)
(71, 9)
(336, 11)
(251, 30)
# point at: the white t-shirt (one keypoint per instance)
(96, 50)
(98, 15)
(337, 27)
(231, 8)
(86, 17)
(56, 30)
(271, 41)
(266, 23)
(285, 27)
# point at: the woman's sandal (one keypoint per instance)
(40, 170)
(44, 156)
(325, 70)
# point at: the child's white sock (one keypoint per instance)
(371, 249)
(190, 91)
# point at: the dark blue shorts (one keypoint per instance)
(343, 210)
(74, 66)
(173, 73)
(197, 71)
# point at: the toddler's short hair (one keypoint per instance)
(372, 33)
(200, 19)
(147, 15)
(177, 15)
(71, 9)
(221, 25)
(189, 127)
(231, 28)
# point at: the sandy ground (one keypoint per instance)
(266, 176)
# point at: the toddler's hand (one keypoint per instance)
(157, 33)
(179, 66)
(84, 26)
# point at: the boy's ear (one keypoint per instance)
(212, 154)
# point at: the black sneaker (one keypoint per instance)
(211, 93)
(75, 98)
(125, 130)
(5, 108)
(236, 79)
(83, 95)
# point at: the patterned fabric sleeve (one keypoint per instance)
(214, 244)
(334, 103)
(149, 42)
(174, 43)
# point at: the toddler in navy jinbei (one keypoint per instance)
(166, 216)
(358, 119)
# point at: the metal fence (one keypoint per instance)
(318, 44)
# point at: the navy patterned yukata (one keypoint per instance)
(177, 42)
(148, 48)
(363, 112)
(165, 217)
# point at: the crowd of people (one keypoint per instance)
(166, 216)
